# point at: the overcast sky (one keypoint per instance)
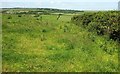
(62, 4)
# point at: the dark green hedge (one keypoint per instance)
(103, 23)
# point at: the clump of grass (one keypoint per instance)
(68, 44)
(51, 47)
(44, 30)
(43, 38)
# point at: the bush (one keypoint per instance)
(19, 15)
(103, 23)
(115, 35)
(10, 17)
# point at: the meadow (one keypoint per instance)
(35, 44)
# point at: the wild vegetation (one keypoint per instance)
(43, 43)
(102, 23)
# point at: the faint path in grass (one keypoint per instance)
(55, 46)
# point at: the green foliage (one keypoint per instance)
(44, 30)
(36, 15)
(103, 23)
(19, 15)
(10, 17)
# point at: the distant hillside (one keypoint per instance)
(37, 10)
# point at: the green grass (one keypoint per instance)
(31, 45)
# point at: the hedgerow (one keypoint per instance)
(102, 23)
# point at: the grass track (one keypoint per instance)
(31, 45)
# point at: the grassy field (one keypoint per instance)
(32, 44)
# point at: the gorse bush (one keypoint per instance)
(19, 15)
(10, 17)
(103, 23)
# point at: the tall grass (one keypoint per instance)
(31, 45)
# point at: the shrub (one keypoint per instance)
(19, 15)
(115, 35)
(103, 23)
(10, 17)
